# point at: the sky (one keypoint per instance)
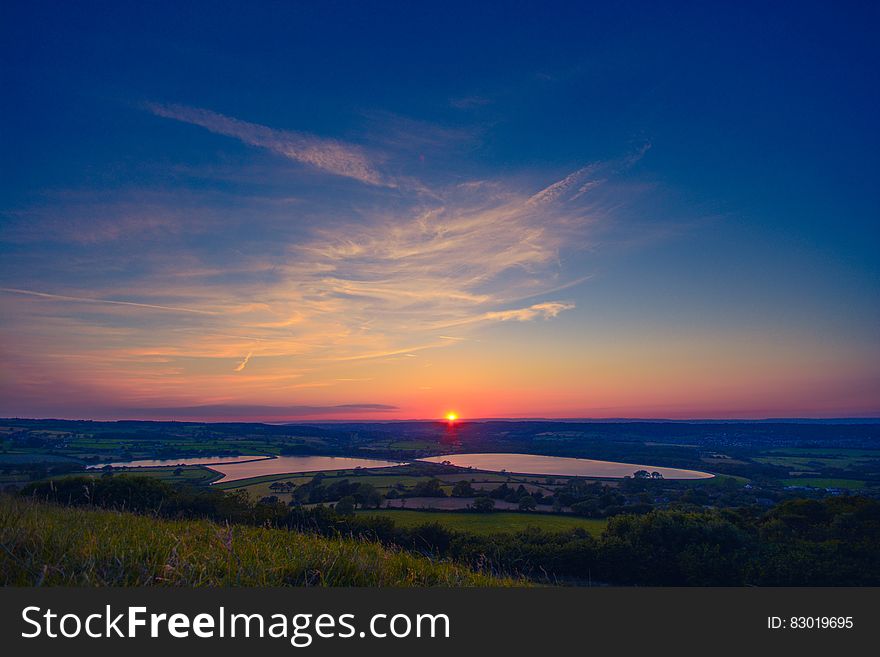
(378, 211)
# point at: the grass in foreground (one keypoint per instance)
(491, 523)
(43, 544)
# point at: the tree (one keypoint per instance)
(587, 508)
(484, 504)
(462, 488)
(430, 488)
(368, 496)
(527, 503)
(345, 506)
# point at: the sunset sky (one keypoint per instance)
(384, 211)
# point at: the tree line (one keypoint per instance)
(833, 541)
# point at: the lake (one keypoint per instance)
(294, 465)
(234, 468)
(560, 466)
(158, 463)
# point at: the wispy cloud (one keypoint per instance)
(546, 310)
(243, 363)
(405, 351)
(380, 286)
(323, 304)
(112, 302)
(249, 411)
(462, 261)
(330, 155)
(469, 102)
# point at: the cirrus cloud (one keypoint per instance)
(329, 155)
(323, 296)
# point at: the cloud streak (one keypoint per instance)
(546, 310)
(329, 294)
(378, 287)
(132, 304)
(328, 155)
(243, 363)
(250, 411)
(463, 261)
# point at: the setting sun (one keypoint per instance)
(451, 416)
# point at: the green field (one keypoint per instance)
(826, 451)
(805, 459)
(383, 479)
(377, 477)
(262, 488)
(818, 482)
(490, 523)
(265, 480)
(110, 441)
(63, 546)
(413, 444)
(192, 475)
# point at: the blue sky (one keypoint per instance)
(593, 210)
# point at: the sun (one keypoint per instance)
(451, 416)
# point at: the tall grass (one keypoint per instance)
(43, 544)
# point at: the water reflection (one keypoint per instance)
(196, 460)
(234, 468)
(560, 466)
(294, 465)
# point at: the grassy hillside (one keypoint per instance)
(42, 544)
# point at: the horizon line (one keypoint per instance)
(871, 419)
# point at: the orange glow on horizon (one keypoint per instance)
(451, 416)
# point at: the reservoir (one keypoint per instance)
(234, 468)
(158, 463)
(294, 465)
(560, 466)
